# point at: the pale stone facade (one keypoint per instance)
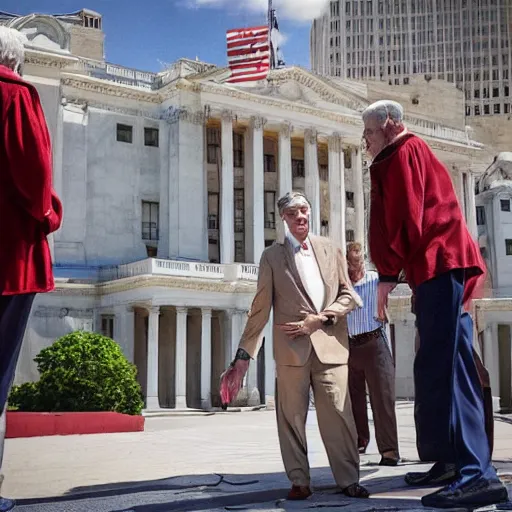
(169, 184)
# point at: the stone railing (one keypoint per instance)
(437, 130)
(115, 73)
(198, 270)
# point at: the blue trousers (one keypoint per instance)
(14, 313)
(449, 409)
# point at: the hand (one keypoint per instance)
(383, 292)
(308, 326)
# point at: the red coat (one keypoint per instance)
(29, 207)
(416, 222)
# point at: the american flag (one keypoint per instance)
(248, 54)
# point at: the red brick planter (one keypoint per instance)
(35, 424)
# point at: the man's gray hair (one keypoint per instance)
(292, 200)
(384, 109)
(12, 48)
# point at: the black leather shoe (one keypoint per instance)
(439, 474)
(388, 461)
(474, 494)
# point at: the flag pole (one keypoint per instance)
(270, 21)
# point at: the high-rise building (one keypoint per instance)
(466, 42)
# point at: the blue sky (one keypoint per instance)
(141, 34)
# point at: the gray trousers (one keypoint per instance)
(14, 314)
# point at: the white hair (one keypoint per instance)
(292, 200)
(12, 48)
(384, 109)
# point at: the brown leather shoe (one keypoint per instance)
(298, 492)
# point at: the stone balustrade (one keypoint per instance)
(198, 270)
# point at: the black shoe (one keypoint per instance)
(439, 474)
(388, 461)
(476, 493)
(6, 504)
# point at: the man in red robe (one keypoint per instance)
(417, 225)
(29, 211)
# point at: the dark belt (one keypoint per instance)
(365, 337)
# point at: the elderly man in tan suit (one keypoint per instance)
(303, 279)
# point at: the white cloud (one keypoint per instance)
(296, 10)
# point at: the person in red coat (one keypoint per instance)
(29, 211)
(416, 225)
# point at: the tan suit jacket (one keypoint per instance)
(280, 287)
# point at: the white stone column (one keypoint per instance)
(491, 358)
(180, 371)
(227, 209)
(312, 179)
(206, 358)
(471, 205)
(357, 175)
(270, 367)
(258, 191)
(230, 333)
(285, 178)
(124, 330)
(337, 198)
(152, 401)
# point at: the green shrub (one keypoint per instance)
(81, 371)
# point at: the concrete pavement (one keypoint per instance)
(228, 461)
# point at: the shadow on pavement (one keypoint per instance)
(234, 489)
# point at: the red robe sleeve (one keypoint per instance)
(28, 150)
(403, 189)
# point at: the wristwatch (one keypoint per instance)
(242, 354)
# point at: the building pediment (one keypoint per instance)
(43, 32)
(295, 85)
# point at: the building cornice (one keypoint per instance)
(104, 87)
(49, 60)
(220, 90)
(135, 283)
(327, 92)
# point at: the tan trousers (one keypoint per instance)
(335, 420)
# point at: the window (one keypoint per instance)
(349, 235)
(508, 246)
(270, 210)
(323, 170)
(505, 205)
(480, 215)
(238, 149)
(347, 156)
(324, 228)
(239, 251)
(107, 325)
(239, 210)
(151, 251)
(350, 199)
(150, 220)
(151, 137)
(124, 133)
(270, 163)
(298, 170)
(213, 210)
(212, 144)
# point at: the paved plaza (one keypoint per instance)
(225, 461)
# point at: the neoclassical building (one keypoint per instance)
(169, 183)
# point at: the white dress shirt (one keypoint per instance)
(309, 272)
